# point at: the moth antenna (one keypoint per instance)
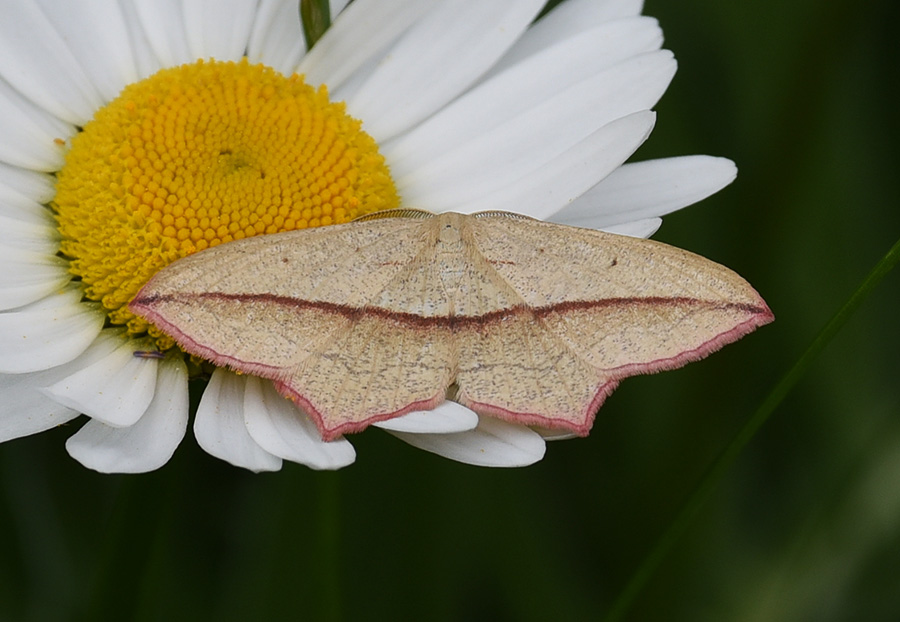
(496, 213)
(400, 212)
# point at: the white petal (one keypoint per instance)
(637, 229)
(163, 23)
(145, 59)
(219, 424)
(493, 443)
(96, 35)
(116, 389)
(525, 143)
(436, 60)
(543, 192)
(447, 417)
(29, 133)
(582, 59)
(38, 62)
(219, 29)
(37, 187)
(361, 31)
(337, 6)
(549, 434)
(14, 204)
(567, 20)
(282, 429)
(28, 276)
(24, 409)
(277, 36)
(649, 189)
(149, 443)
(47, 333)
(35, 237)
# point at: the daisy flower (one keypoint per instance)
(134, 132)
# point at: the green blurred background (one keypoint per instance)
(806, 526)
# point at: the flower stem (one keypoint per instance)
(717, 470)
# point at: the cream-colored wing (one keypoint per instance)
(334, 316)
(377, 368)
(550, 264)
(345, 369)
(512, 367)
(596, 308)
(366, 321)
(340, 265)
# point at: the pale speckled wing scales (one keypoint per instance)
(312, 310)
(508, 364)
(605, 307)
(550, 264)
(340, 265)
(535, 322)
(514, 368)
(249, 335)
(378, 368)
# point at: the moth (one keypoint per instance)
(532, 322)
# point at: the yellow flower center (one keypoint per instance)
(203, 154)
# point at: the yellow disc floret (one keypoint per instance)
(203, 154)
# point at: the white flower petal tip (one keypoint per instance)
(558, 182)
(549, 434)
(619, 30)
(148, 444)
(637, 229)
(115, 389)
(446, 418)
(28, 276)
(219, 424)
(283, 430)
(650, 189)
(25, 410)
(28, 409)
(47, 333)
(494, 443)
